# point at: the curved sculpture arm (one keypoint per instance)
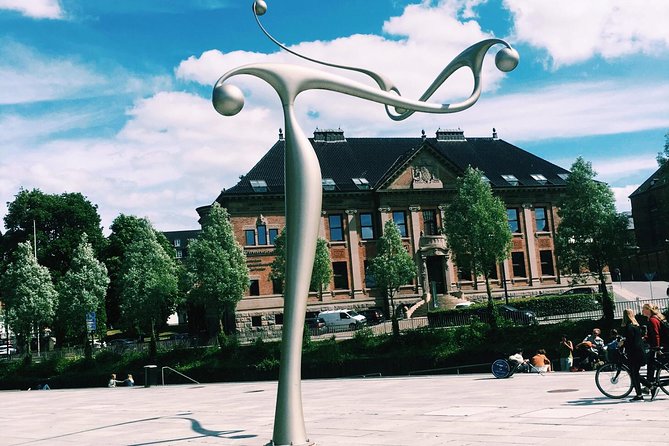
(289, 81)
(472, 57)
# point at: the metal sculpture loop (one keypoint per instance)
(303, 188)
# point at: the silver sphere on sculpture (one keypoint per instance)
(228, 100)
(260, 7)
(507, 59)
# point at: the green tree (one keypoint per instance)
(322, 270)
(477, 228)
(217, 265)
(124, 230)
(59, 222)
(82, 290)
(149, 285)
(663, 157)
(278, 267)
(392, 267)
(28, 294)
(591, 233)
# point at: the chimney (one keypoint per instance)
(280, 135)
(494, 133)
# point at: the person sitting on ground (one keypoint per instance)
(129, 381)
(540, 361)
(113, 381)
(518, 361)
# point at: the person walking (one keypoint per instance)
(633, 344)
(655, 318)
(566, 353)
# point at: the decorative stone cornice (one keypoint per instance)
(384, 209)
(351, 211)
(414, 208)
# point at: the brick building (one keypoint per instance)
(367, 181)
(650, 210)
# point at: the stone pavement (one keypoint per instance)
(527, 409)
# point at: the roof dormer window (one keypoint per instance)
(511, 179)
(563, 176)
(362, 183)
(259, 185)
(329, 184)
(539, 178)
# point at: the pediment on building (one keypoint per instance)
(424, 169)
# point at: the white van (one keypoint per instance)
(343, 319)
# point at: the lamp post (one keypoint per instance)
(303, 188)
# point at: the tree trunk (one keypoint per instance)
(607, 301)
(153, 344)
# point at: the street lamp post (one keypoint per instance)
(303, 188)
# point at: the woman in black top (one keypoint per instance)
(633, 344)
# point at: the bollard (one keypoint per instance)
(150, 375)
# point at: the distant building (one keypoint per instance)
(180, 241)
(650, 210)
(368, 181)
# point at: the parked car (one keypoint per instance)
(374, 316)
(316, 325)
(338, 319)
(461, 305)
(578, 290)
(121, 344)
(525, 317)
(7, 349)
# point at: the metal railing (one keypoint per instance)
(162, 374)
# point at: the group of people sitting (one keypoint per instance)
(537, 363)
(128, 382)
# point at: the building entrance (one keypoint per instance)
(435, 272)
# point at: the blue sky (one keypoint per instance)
(112, 99)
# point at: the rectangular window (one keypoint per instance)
(179, 254)
(400, 219)
(492, 272)
(177, 242)
(464, 275)
(370, 281)
(336, 228)
(512, 218)
(273, 234)
(540, 219)
(367, 226)
(277, 286)
(262, 234)
(254, 287)
(430, 222)
(340, 275)
(518, 261)
(256, 321)
(250, 237)
(547, 268)
(278, 319)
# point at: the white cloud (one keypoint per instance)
(622, 194)
(28, 76)
(37, 9)
(573, 31)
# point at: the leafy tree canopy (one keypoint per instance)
(28, 294)
(476, 226)
(591, 232)
(148, 284)
(60, 220)
(278, 272)
(392, 266)
(82, 290)
(663, 157)
(217, 265)
(322, 270)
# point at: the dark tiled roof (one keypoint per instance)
(659, 178)
(181, 235)
(378, 158)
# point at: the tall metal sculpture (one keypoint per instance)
(303, 188)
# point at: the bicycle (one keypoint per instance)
(504, 368)
(614, 378)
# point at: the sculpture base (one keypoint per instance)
(308, 443)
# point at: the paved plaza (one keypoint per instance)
(527, 409)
